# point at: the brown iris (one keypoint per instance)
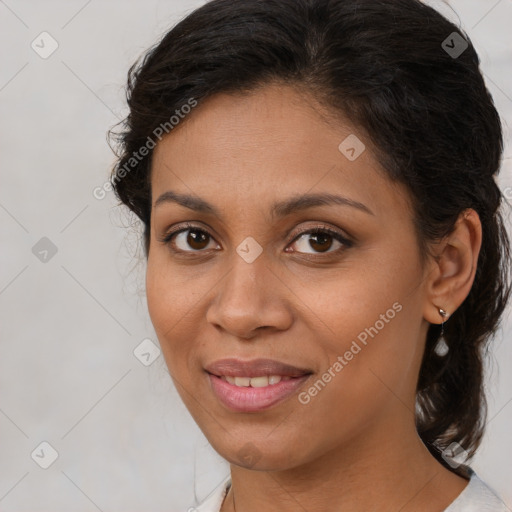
(197, 237)
(320, 240)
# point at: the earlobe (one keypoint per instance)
(437, 314)
(444, 313)
(454, 268)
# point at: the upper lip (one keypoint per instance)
(254, 368)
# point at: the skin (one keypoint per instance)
(354, 446)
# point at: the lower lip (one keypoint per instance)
(249, 399)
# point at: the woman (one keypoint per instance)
(326, 258)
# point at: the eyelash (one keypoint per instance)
(167, 238)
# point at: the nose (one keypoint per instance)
(248, 299)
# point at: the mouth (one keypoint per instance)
(253, 386)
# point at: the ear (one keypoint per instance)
(453, 269)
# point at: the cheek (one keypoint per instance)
(169, 295)
(368, 327)
(173, 300)
(167, 306)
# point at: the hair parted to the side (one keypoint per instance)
(428, 115)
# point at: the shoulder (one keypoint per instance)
(477, 497)
(213, 501)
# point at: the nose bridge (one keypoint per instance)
(244, 286)
(247, 297)
(248, 259)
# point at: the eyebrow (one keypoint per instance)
(278, 209)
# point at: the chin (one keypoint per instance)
(263, 455)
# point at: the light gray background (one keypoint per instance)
(68, 327)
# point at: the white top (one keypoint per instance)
(476, 497)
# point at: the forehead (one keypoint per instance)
(257, 147)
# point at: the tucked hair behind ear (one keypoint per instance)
(430, 119)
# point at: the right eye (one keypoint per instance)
(188, 236)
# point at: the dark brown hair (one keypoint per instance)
(387, 67)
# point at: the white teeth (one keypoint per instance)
(255, 382)
(242, 381)
(259, 382)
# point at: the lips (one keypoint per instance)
(233, 367)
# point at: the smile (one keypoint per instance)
(244, 394)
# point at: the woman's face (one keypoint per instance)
(243, 281)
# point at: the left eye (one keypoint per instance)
(321, 240)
